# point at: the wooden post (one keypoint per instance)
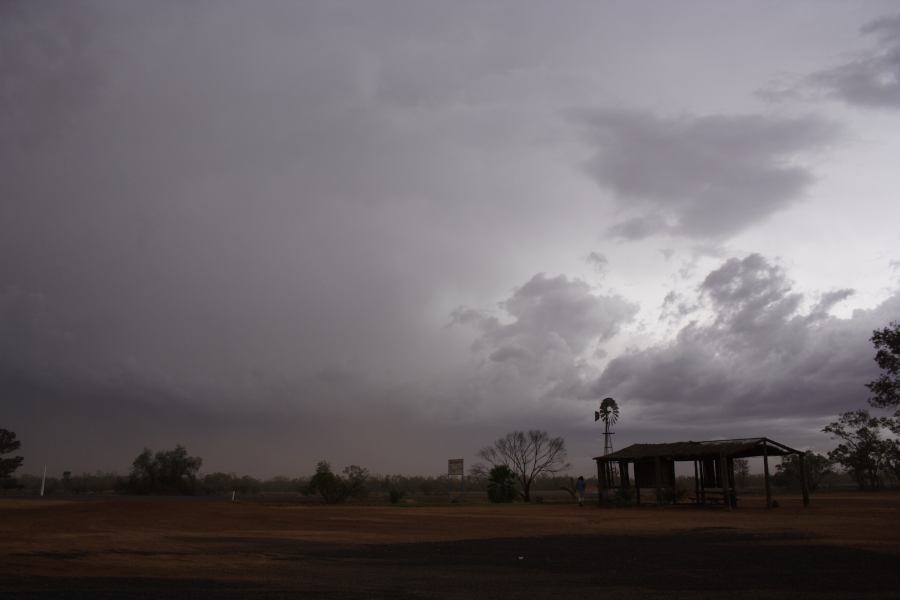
(657, 468)
(723, 475)
(766, 471)
(599, 485)
(696, 484)
(803, 485)
(703, 478)
(732, 485)
(637, 486)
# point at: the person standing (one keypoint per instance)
(579, 490)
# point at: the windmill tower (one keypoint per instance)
(609, 414)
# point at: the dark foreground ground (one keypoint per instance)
(366, 552)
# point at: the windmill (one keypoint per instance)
(609, 414)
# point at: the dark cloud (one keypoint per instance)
(873, 78)
(598, 261)
(241, 228)
(676, 307)
(758, 365)
(47, 70)
(703, 177)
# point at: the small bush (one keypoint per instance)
(501, 484)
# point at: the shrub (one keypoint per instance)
(501, 484)
(335, 489)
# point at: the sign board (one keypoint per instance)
(455, 467)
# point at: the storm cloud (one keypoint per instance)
(700, 176)
(872, 79)
(389, 233)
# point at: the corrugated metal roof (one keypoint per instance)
(738, 448)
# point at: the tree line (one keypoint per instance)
(868, 450)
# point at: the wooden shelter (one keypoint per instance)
(653, 466)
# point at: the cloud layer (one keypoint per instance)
(872, 79)
(700, 177)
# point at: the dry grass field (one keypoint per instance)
(843, 546)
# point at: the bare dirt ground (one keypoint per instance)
(843, 546)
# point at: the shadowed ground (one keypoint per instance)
(843, 547)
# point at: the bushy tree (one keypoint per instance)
(335, 489)
(528, 455)
(165, 472)
(9, 443)
(818, 467)
(862, 451)
(886, 389)
(501, 484)
(355, 478)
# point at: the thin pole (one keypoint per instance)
(43, 480)
(766, 471)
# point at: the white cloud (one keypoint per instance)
(757, 361)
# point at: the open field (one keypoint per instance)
(844, 546)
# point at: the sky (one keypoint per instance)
(388, 233)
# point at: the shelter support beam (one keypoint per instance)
(657, 471)
(723, 476)
(696, 483)
(599, 484)
(766, 472)
(803, 485)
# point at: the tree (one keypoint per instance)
(886, 389)
(863, 452)
(788, 475)
(478, 472)
(355, 478)
(9, 443)
(528, 455)
(501, 484)
(165, 472)
(335, 489)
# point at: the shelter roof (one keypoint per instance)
(738, 448)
